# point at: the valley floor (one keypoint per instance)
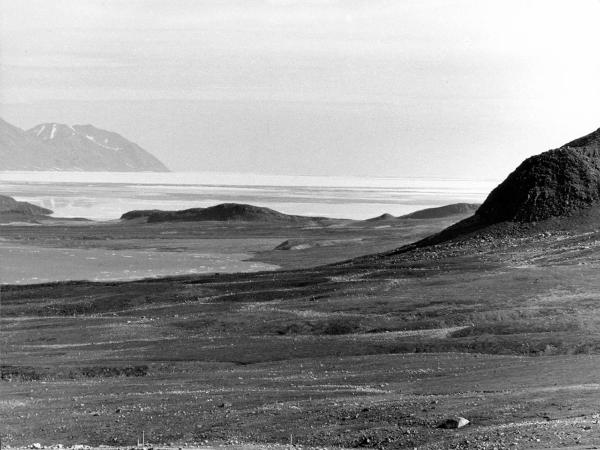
(61, 250)
(371, 353)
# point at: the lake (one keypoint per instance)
(28, 264)
(105, 196)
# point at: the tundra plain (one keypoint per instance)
(374, 352)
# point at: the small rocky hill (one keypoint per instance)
(381, 218)
(441, 212)
(553, 184)
(555, 190)
(223, 213)
(11, 209)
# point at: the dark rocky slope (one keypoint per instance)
(553, 184)
(557, 189)
(223, 213)
(11, 209)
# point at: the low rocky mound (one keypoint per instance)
(380, 218)
(10, 206)
(443, 211)
(223, 213)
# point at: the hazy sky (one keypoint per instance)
(457, 88)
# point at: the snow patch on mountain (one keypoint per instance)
(93, 139)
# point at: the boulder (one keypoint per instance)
(453, 423)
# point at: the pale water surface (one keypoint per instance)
(105, 196)
(27, 264)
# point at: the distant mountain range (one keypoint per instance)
(55, 146)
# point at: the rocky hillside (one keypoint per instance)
(555, 190)
(54, 146)
(553, 184)
(10, 206)
(223, 212)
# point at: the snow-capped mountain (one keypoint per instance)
(19, 151)
(55, 146)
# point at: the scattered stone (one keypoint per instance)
(36, 445)
(454, 422)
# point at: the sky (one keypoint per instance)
(389, 88)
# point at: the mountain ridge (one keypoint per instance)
(589, 144)
(56, 146)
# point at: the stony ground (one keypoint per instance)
(375, 353)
